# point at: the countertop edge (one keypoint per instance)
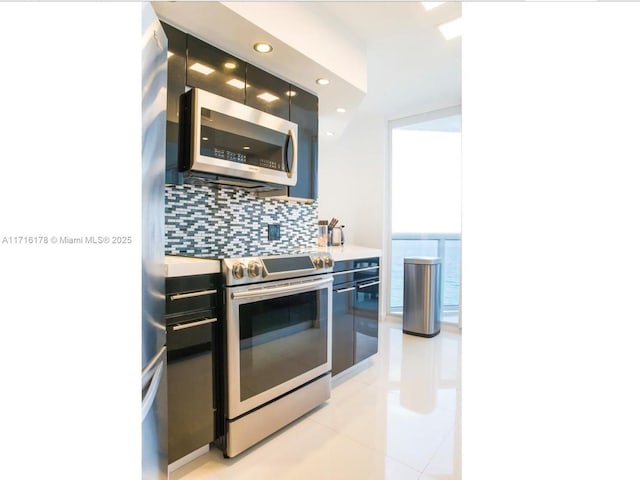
(352, 252)
(182, 266)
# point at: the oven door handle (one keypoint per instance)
(295, 288)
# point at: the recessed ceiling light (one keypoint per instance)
(234, 82)
(330, 134)
(230, 65)
(169, 54)
(451, 29)
(431, 5)
(267, 97)
(198, 67)
(205, 138)
(291, 93)
(341, 110)
(246, 147)
(262, 47)
(322, 81)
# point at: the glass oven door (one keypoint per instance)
(278, 338)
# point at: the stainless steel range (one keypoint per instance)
(278, 332)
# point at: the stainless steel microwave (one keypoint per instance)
(220, 137)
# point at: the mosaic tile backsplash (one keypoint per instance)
(224, 222)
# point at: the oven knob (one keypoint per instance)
(317, 262)
(328, 261)
(238, 270)
(253, 269)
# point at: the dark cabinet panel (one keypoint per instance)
(342, 332)
(176, 82)
(267, 92)
(304, 112)
(366, 319)
(216, 71)
(195, 387)
(355, 312)
(190, 392)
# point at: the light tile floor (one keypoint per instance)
(395, 416)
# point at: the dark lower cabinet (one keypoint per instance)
(194, 366)
(355, 313)
(366, 319)
(190, 389)
(343, 333)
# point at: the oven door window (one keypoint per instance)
(280, 339)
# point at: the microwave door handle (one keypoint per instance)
(291, 155)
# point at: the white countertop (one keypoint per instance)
(180, 266)
(351, 252)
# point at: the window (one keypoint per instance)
(426, 204)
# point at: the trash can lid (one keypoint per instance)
(423, 260)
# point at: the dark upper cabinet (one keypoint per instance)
(216, 71)
(176, 81)
(304, 112)
(267, 93)
(196, 64)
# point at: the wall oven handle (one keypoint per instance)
(369, 284)
(350, 289)
(292, 288)
(192, 294)
(182, 326)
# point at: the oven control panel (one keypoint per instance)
(243, 270)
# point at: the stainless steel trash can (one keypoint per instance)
(421, 306)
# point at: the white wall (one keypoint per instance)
(351, 172)
(351, 179)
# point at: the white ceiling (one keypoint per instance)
(387, 58)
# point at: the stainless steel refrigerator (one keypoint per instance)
(154, 351)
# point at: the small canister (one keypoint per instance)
(323, 232)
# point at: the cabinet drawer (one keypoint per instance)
(192, 293)
(361, 270)
(361, 263)
(188, 338)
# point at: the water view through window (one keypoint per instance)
(426, 204)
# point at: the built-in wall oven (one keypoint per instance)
(278, 333)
